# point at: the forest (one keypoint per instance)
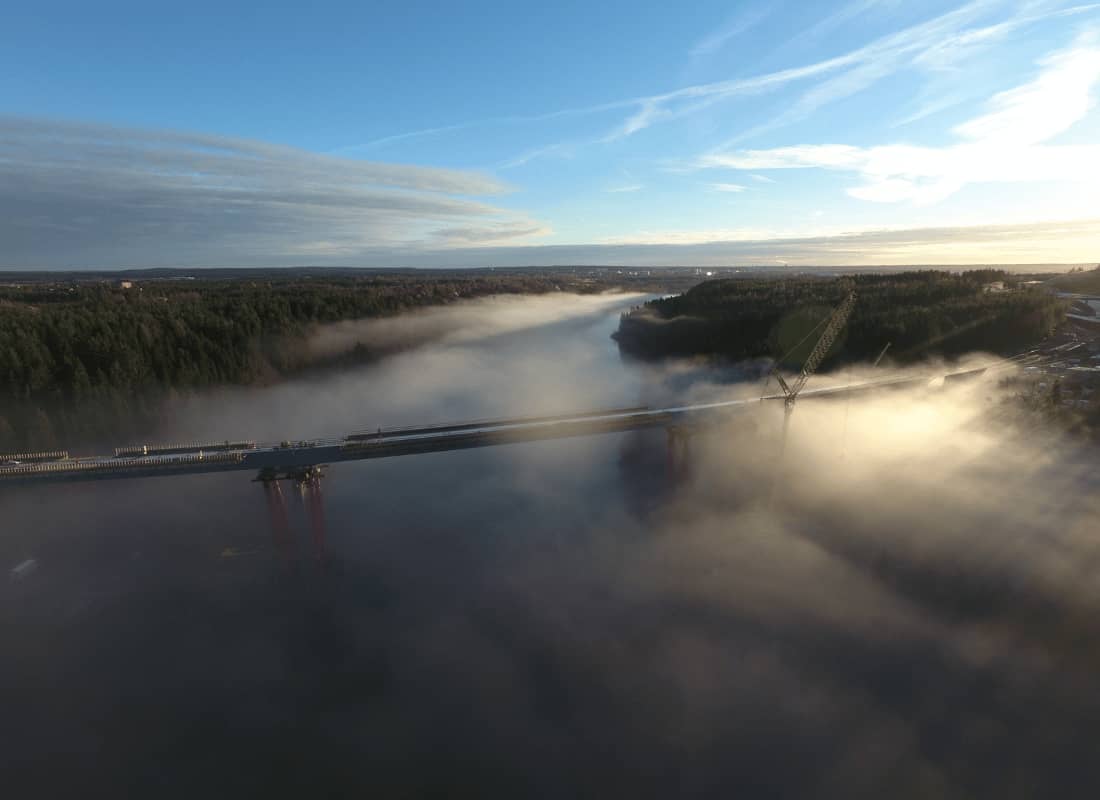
(1079, 280)
(83, 359)
(918, 314)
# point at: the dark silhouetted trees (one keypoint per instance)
(920, 313)
(87, 360)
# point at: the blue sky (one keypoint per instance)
(490, 133)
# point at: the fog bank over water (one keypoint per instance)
(463, 322)
(498, 356)
(914, 616)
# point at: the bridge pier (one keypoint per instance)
(678, 454)
(311, 488)
(308, 482)
(280, 519)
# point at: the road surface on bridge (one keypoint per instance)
(289, 456)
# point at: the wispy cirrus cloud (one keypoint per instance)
(81, 193)
(728, 187)
(1005, 144)
(950, 81)
(846, 13)
(561, 149)
(733, 27)
(934, 44)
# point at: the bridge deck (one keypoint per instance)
(389, 443)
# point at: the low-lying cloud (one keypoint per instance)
(913, 615)
(461, 322)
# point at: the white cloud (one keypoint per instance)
(853, 10)
(681, 102)
(933, 45)
(939, 45)
(735, 26)
(630, 187)
(727, 187)
(855, 70)
(950, 84)
(79, 193)
(487, 234)
(692, 236)
(762, 178)
(563, 149)
(1043, 242)
(1006, 144)
(1043, 108)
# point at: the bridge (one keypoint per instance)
(303, 462)
(301, 459)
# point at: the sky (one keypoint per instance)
(499, 134)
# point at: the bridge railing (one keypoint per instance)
(120, 464)
(174, 449)
(49, 455)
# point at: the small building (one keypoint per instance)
(994, 286)
(125, 284)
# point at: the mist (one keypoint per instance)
(913, 614)
(464, 321)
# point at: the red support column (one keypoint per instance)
(317, 518)
(280, 522)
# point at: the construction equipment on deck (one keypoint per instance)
(833, 326)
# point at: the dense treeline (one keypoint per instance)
(82, 361)
(1079, 280)
(918, 313)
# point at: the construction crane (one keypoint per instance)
(881, 354)
(833, 326)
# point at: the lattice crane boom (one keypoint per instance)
(835, 325)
